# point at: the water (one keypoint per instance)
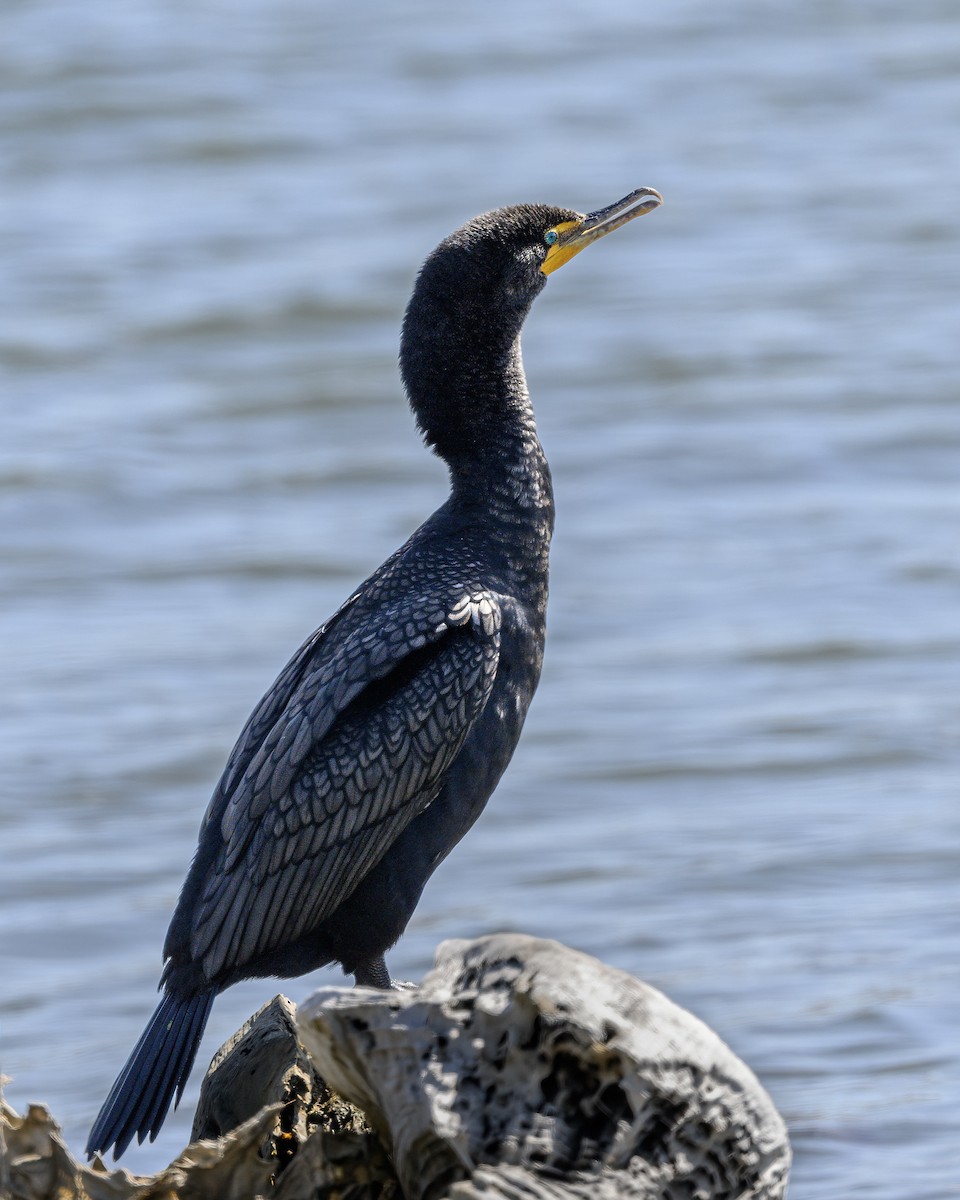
(739, 778)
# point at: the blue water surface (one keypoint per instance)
(739, 779)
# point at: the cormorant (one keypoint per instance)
(383, 737)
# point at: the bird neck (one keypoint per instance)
(494, 449)
(504, 503)
(473, 408)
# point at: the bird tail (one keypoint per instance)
(158, 1067)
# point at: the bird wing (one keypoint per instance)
(359, 749)
(265, 716)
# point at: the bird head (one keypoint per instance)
(500, 260)
(459, 348)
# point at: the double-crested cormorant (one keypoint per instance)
(382, 739)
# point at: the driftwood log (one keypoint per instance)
(519, 1069)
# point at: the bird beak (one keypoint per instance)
(574, 235)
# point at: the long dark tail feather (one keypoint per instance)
(159, 1066)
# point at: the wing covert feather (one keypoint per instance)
(267, 712)
(358, 760)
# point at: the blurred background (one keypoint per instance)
(739, 778)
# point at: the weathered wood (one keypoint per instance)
(42, 1168)
(5, 1185)
(521, 1068)
(518, 1069)
(262, 1063)
(319, 1145)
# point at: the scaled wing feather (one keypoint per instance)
(378, 743)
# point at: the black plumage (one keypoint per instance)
(379, 744)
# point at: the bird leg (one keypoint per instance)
(373, 974)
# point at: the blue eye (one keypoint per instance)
(551, 237)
